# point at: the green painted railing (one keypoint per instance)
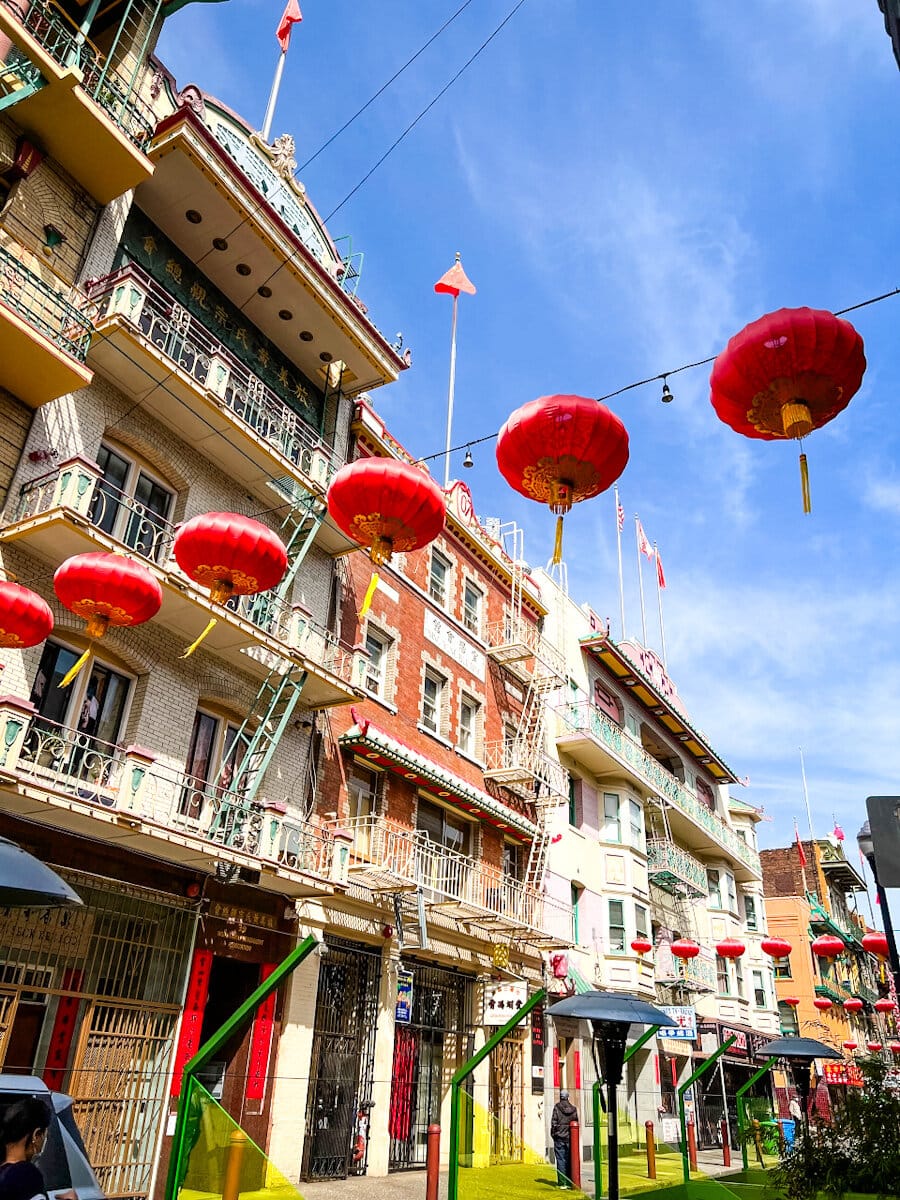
(666, 861)
(44, 308)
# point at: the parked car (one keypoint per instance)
(63, 1162)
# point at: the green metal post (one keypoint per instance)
(701, 1070)
(598, 1149)
(218, 1039)
(463, 1073)
(739, 1099)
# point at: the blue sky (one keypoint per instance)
(629, 185)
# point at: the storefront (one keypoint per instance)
(717, 1090)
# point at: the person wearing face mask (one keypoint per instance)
(23, 1131)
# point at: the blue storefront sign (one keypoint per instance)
(403, 1008)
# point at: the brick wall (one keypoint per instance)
(782, 873)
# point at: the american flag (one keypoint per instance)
(620, 515)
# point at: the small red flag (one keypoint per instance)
(642, 541)
(455, 281)
(291, 16)
(800, 851)
(660, 577)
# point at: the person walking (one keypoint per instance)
(23, 1131)
(564, 1112)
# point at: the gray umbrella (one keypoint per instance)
(799, 1052)
(611, 1015)
(25, 882)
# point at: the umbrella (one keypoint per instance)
(63, 1162)
(799, 1052)
(28, 883)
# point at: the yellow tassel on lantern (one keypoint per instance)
(804, 484)
(370, 592)
(210, 626)
(74, 669)
(557, 545)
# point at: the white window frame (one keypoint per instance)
(618, 925)
(469, 704)
(751, 912)
(472, 620)
(635, 828)
(377, 670)
(440, 683)
(443, 587)
(714, 890)
(760, 991)
(609, 820)
(136, 467)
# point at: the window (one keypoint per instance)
(92, 708)
(739, 976)
(472, 608)
(443, 828)
(782, 968)
(130, 505)
(432, 701)
(576, 899)
(512, 860)
(616, 927)
(759, 989)
(723, 983)
(787, 1017)
(469, 721)
(438, 578)
(377, 648)
(441, 859)
(714, 888)
(636, 821)
(362, 790)
(612, 827)
(573, 809)
(641, 924)
(730, 891)
(750, 912)
(215, 754)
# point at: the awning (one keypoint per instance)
(376, 746)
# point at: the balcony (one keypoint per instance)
(73, 510)
(123, 795)
(390, 858)
(674, 870)
(606, 749)
(518, 645)
(185, 377)
(44, 335)
(689, 975)
(525, 770)
(72, 101)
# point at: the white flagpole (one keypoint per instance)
(451, 389)
(662, 631)
(812, 836)
(273, 97)
(621, 580)
(637, 542)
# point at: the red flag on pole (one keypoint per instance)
(800, 851)
(660, 577)
(643, 544)
(290, 17)
(455, 281)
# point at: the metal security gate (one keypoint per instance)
(89, 1000)
(426, 1053)
(343, 1060)
(506, 1099)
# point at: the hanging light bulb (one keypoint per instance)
(468, 461)
(666, 396)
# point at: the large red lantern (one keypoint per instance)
(828, 947)
(874, 1047)
(642, 945)
(776, 947)
(822, 1003)
(884, 1006)
(105, 589)
(791, 1001)
(876, 943)
(894, 1047)
(851, 1046)
(787, 374)
(230, 554)
(730, 948)
(562, 449)
(853, 1005)
(386, 506)
(685, 948)
(26, 617)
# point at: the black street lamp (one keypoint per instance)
(867, 849)
(25, 882)
(611, 1015)
(798, 1053)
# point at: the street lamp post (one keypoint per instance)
(867, 849)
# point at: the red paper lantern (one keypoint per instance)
(853, 1005)
(791, 1001)
(874, 1047)
(559, 450)
(786, 374)
(851, 1045)
(685, 948)
(876, 943)
(26, 616)
(105, 589)
(641, 945)
(386, 506)
(828, 946)
(776, 947)
(730, 948)
(894, 1047)
(822, 1003)
(230, 554)
(884, 1006)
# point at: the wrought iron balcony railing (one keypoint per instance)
(179, 336)
(674, 870)
(149, 535)
(587, 718)
(66, 45)
(50, 312)
(447, 877)
(130, 783)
